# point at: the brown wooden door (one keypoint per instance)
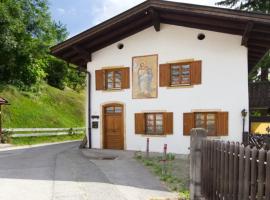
(113, 126)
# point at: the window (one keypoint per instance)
(216, 123)
(185, 73)
(113, 79)
(180, 74)
(113, 109)
(206, 121)
(154, 123)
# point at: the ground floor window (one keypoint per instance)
(154, 123)
(206, 121)
(215, 123)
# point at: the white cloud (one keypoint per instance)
(67, 11)
(61, 11)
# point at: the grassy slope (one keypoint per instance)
(45, 139)
(52, 108)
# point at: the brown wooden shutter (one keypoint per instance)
(222, 123)
(139, 123)
(168, 123)
(196, 72)
(125, 78)
(164, 75)
(100, 80)
(188, 123)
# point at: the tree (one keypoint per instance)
(57, 72)
(249, 5)
(262, 6)
(26, 33)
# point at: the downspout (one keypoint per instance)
(80, 69)
(89, 111)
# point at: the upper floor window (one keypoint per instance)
(182, 73)
(111, 79)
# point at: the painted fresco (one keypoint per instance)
(144, 77)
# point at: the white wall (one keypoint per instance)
(224, 82)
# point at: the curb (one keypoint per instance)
(12, 147)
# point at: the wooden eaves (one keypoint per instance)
(253, 27)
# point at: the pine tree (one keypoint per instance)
(262, 6)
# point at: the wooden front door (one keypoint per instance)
(113, 126)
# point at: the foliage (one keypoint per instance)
(262, 6)
(45, 139)
(184, 195)
(250, 5)
(174, 182)
(50, 108)
(75, 79)
(27, 31)
(263, 64)
(57, 71)
(6, 137)
(170, 156)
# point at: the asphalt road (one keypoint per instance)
(63, 172)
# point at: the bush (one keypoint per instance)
(170, 156)
(6, 137)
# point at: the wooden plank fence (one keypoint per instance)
(36, 132)
(232, 171)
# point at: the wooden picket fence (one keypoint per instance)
(232, 171)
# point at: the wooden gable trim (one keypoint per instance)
(246, 34)
(195, 16)
(155, 19)
(83, 53)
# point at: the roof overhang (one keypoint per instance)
(253, 27)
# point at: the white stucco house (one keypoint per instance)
(162, 68)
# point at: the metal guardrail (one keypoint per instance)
(35, 132)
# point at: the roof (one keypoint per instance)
(253, 27)
(3, 101)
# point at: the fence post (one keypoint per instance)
(196, 137)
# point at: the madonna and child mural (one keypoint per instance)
(144, 76)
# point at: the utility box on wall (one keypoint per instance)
(95, 124)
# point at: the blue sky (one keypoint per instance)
(79, 15)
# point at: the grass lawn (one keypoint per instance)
(49, 108)
(177, 171)
(45, 139)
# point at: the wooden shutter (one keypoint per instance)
(139, 123)
(125, 78)
(100, 80)
(188, 123)
(222, 123)
(196, 72)
(164, 75)
(168, 123)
